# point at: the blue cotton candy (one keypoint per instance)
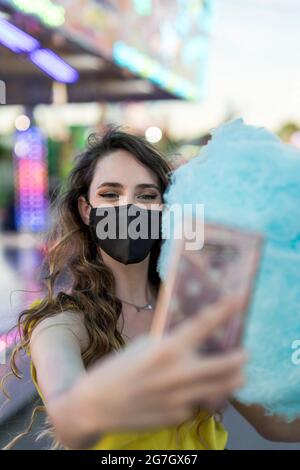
(247, 178)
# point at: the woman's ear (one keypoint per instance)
(84, 209)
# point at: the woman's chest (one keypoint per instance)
(132, 323)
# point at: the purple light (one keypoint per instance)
(31, 181)
(54, 66)
(16, 39)
(19, 41)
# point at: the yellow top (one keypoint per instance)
(210, 435)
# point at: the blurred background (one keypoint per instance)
(171, 70)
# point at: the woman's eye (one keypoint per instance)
(148, 197)
(109, 195)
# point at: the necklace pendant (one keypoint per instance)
(147, 307)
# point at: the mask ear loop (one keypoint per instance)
(87, 200)
(89, 204)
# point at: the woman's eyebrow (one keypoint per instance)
(119, 185)
(147, 185)
(110, 183)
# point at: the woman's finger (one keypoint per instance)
(190, 372)
(202, 369)
(213, 390)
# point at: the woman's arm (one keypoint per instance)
(56, 346)
(274, 428)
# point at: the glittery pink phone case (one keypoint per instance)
(226, 265)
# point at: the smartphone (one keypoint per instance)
(227, 264)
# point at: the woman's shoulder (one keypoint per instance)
(68, 320)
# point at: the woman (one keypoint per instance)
(147, 396)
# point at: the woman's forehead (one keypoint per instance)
(122, 167)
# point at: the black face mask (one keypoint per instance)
(126, 233)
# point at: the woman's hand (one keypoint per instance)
(159, 381)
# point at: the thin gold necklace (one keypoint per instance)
(138, 308)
